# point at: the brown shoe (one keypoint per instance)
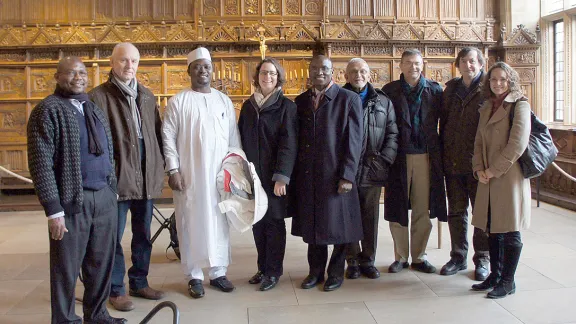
(121, 303)
(147, 293)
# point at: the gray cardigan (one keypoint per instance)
(54, 155)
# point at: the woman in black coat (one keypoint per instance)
(268, 127)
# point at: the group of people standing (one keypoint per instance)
(322, 159)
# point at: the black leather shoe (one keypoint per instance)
(502, 290)
(370, 272)
(397, 266)
(452, 267)
(257, 278)
(487, 284)
(268, 282)
(311, 281)
(425, 267)
(481, 272)
(223, 284)
(332, 283)
(195, 288)
(110, 320)
(353, 272)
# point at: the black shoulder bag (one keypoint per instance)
(541, 151)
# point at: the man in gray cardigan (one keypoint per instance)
(70, 157)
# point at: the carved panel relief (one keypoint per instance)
(104, 9)
(13, 122)
(163, 9)
(313, 7)
(178, 78)
(150, 77)
(143, 9)
(231, 7)
(293, 7)
(439, 72)
(211, 7)
(338, 7)
(521, 57)
(273, 7)
(377, 50)
(12, 83)
(15, 159)
(251, 7)
(448, 51)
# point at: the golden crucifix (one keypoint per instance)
(262, 40)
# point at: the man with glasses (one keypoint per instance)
(380, 145)
(329, 147)
(416, 180)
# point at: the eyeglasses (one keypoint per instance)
(270, 73)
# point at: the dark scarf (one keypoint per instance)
(414, 98)
(95, 147)
(462, 91)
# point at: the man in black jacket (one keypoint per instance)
(416, 179)
(458, 123)
(71, 162)
(379, 147)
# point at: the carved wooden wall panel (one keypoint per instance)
(407, 9)
(34, 35)
(449, 9)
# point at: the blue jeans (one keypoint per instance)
(141, 246)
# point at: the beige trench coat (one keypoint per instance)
(497, 147)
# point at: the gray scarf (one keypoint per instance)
(131, 93)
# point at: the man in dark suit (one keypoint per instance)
(329, 148)
(71, 162)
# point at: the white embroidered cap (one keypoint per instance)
(199, 53)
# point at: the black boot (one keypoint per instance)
(495, 250)
(506, 286)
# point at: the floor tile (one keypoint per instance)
(12, 292)
(542, 306)
(341, 313)
(444, 310)
(558, 269)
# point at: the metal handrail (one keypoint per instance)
(158, 307)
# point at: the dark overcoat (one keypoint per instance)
(397, 202)
(329, 148)
(270, 141)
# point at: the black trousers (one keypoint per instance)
(460, 189)
(318, 257)
(270, 238)
(370, 211)
(88, 246)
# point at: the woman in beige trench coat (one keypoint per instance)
(503, 199)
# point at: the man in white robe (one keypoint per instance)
(199, 128)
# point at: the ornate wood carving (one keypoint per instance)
(439, 72)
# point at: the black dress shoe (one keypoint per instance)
(397, 266)
(222, 283)
(110, 320)
(489, 283)
(452, 267)
(481, 272)
(332, 283)
(353, 272)
(425, 267)
(257, 278)
(268, 282)
(311, 281)
(370, 272)
(195, 288)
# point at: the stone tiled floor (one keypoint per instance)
(546, 282)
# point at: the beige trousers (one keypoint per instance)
(418, 179)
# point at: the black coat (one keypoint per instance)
(397, 203)
(329, 148)
(380, 143)
(270, 141)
